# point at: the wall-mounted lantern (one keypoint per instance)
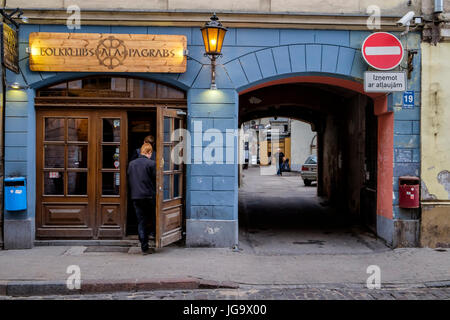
(16, 86)
(213, 34)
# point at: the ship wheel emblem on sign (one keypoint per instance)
(382, 51)
(111, 52)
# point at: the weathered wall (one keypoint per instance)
(301, 135)
(390, 7)
(1, 162)
(435, 129)
(344, 155)
(354, 152)
(331, 164)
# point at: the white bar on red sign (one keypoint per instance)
(380, 51)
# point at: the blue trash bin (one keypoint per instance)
(15, 194)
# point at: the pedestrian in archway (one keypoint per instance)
(279, 158)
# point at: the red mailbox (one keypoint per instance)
(408, 190)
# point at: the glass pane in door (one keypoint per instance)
(167, 158)
(167, 187)
(77, 156)
(77, 183)
(54, 129)
(176, 185)
(54, 156)
(111, 157)
(54, 183)
(111, 183)
(77, 129)
(111, 130)
(167, 129)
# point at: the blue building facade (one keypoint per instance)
(251, 57)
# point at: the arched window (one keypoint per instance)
(112, 87)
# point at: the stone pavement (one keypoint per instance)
(265, 293)
(414, 266)
(292, 242)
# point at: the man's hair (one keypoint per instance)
(149, 139)
(146, 148)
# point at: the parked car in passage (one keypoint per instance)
(309, 170)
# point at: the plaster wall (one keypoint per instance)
(301, 135)
(435, 160)
(389, 7)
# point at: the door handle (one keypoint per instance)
(162, 163)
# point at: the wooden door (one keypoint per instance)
(111, 173)
(170, 176)
(65, 163)
(80, 192)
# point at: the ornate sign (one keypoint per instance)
(94, 52)
(9, 48)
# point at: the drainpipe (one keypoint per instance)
(2, 142)
(438, 6)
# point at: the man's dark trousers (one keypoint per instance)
(145, 209)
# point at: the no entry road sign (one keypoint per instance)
(382, 51)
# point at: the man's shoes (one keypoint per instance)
(148, 251)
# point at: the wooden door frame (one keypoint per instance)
(93, 205)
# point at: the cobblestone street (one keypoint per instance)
(266, 293)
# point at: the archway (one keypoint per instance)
(354, 134)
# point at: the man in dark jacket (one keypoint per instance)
(141, 177)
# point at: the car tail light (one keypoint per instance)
(305, 168)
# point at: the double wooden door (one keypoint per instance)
(81, 163)
(81, 186)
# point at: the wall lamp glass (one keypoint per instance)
(213, 34)
(17, 86)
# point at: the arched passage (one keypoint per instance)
(354, 138)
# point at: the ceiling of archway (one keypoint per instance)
(303, 101)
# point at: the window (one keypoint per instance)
(112, 87)
(110, 149)
(172, 168)
(65, 156)
(311, 160)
